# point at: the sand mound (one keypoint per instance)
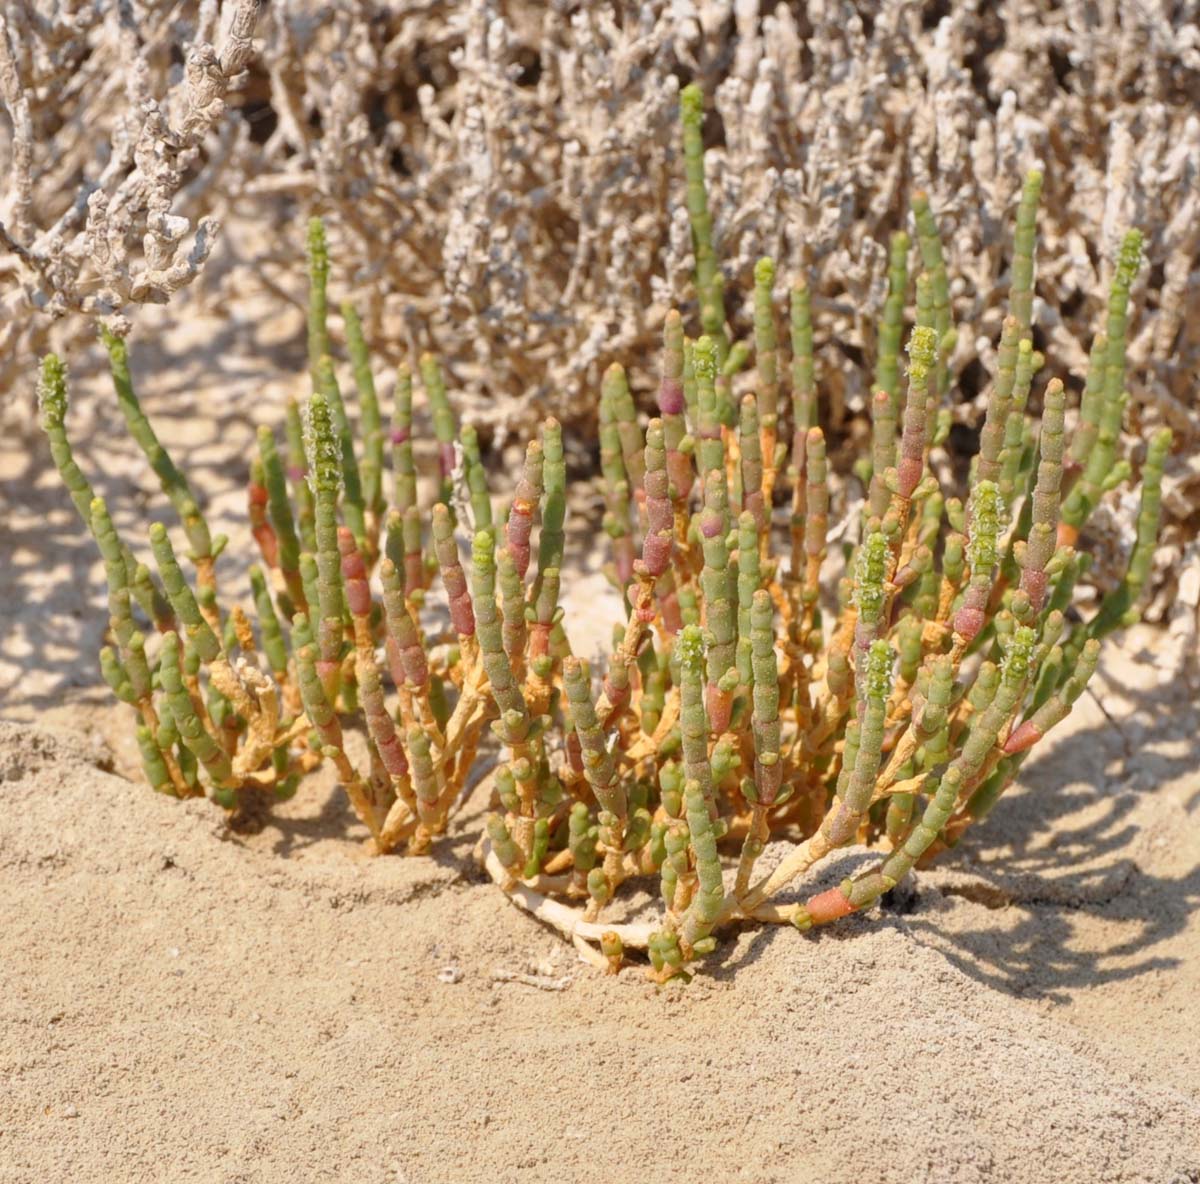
(181, 1003)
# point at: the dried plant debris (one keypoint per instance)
(110, 148)
(505, 185)
(519, 167)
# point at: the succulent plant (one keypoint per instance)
(736, 703)
(733, 707)
(241, 703)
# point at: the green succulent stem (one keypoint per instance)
(891, 328)
(709, 282)
(172, 481)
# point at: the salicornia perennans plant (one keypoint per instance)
(240, 704)
(732, 707)
(735, 705)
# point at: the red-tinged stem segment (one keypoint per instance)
(718, 582)
(914, 440)
(525, 502)
(406, 655)
(672, 406)
(454, 578)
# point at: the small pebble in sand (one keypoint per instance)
(450, 974)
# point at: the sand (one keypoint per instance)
(181, 1003)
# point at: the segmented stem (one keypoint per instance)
(709, 283)
(891, 328)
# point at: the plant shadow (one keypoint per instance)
(1068, 905)
(1076, 907)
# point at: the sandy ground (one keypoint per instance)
(180, 1003)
